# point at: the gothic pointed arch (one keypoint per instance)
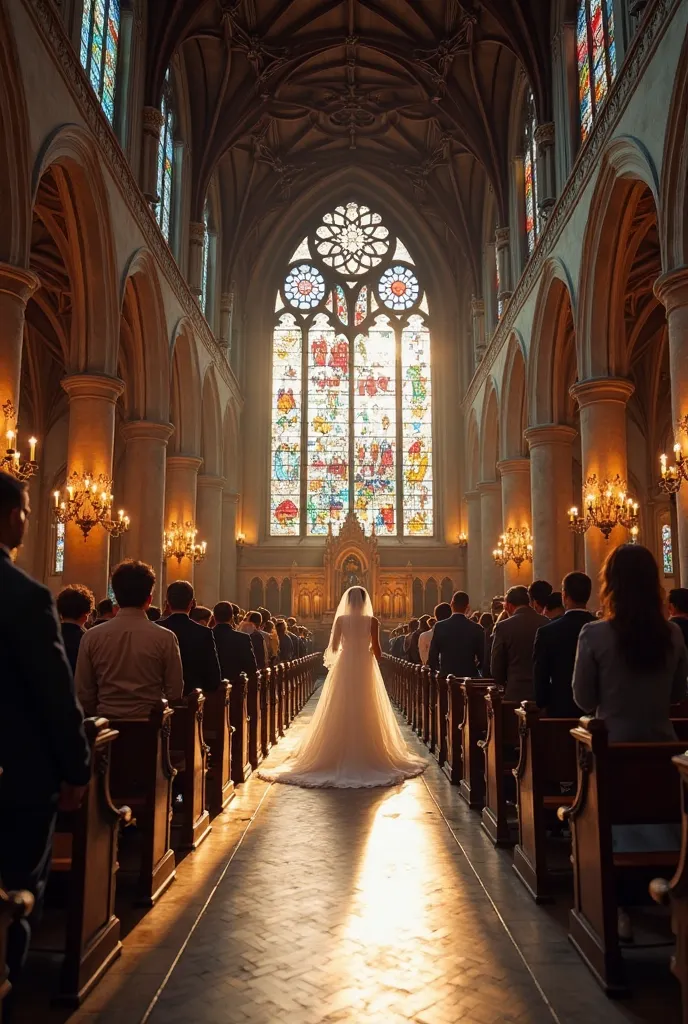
(552, 365)
(185, 397)
(674, 189)
(489, 434)
(15, 194)
(514, 405)
(143, 346)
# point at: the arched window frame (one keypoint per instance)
(595, 58)
(166, 162)
(530, 176)
(100, 28)
(342, 315)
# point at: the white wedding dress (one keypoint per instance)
(354, 740)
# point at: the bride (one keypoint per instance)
(354, 740)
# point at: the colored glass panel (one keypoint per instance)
(165, 169)
(375, 488)
(498, 284)
(352, 239)
(596, 55)
(205, 258)
(399, 288)
(304, 287)
(611, 40)
(583, 60)
(340, 304)
(361, 311)
(328, 429)
(59, 548)
(530, 175)
(98, 49)
(416, 413)
(667, 551)
(285, 495)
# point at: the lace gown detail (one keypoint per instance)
(354, 740)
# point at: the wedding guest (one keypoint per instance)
(74, 605)
(200, 614)
(538, 592)
(196, 642)
(412, 652)
(554, 653)
(458, 645)
(486, 620)
(412, 627)
(298, 641)
(512, 645)
(397, 650)
(153, 613)
(44, 753)
(128, 664)
(234, 649)
(286, 645)
(632, 665)
(554, 606)
(105, 610)
(678, 609)
(442, 612)
(251, 625)
(269, 633)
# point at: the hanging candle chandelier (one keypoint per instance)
(515, 545)
(12, 462)
(87, 501)
(180, 542)
(607, 505)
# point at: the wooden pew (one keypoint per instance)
(441, 715)
(452, 766)
(187, 740)
(141, 776)
(255, 703)
(238, 709)
(217, 733)
(473, 728)
(279, 677)
(619, 784)
(547, 759)
(499, 748)
(675, 893)
(289, 695)
(85, 847)
(424, 712)
(13, 906)
(265, 712)
(429, 686)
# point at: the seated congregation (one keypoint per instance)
(564, 730)
(124, 733)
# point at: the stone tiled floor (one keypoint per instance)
(381, 906)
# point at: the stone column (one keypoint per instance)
(209, 522)
(515, 474)
(602, 402)
(16, 288)
(228, 567)
(504, 263)
(478, 322)
(546, 172)
(551, 490)
(196, 239)
(226, 307)
(92, 399)
(490, 531)
(474, 549)
(180, 508)
(144, 492)
(672, 291)
(152, 124)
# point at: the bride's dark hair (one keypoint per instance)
(356, 590)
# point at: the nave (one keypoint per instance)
(384, 906)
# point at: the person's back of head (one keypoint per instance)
(554, 605)
(236, 610)
(14, 510)
(224, 612)
(460, 602)
(633, 604)
(516, 597)
(424, 623)
(443, 611)
(133, 583)
(678, 601)
(281, 627)
(576, 589)
(75, 603)
(487, 622)
(538, 592)
(413, 625)
(105, 608)
(153, 613)
(264, 615)
(201, 615)
(180, 596)
(256, 618)
(291, 622)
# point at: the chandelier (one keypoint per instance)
(673, 476)
(11, 461)
(87, 501)
(606, 506)
(514, 546)
(180, 542)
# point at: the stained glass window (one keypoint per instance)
(99, 43)
(166, 162)
(498, 284)
(530, 182)
(667, 551)
(596, 57)
(205, 259)
(58, 561)
(367, 384)
(285, 503)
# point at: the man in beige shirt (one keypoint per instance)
(127, 664)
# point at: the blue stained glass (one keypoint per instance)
(328, 428)
(99, 48)
(375, 418)
(416, 405)
(285, 496)
(667, 551)
(59, 548)
(596, 57)
(204, 265)
(165, 169)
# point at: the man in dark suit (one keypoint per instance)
(74, 605)
(44, 754)
(234, 649)
(298, 643)
(397, 648)
(287, 647)
(678, 610)
(196, 643)
(512, 646)
(554, 653)
(458, 645)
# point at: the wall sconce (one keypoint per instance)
(463, 540)
(241, 539)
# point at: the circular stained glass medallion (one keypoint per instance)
(304, 287)
(352, 239)
(399, 288)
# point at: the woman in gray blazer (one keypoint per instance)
(632, 665)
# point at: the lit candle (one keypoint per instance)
(56, 496)
(32, 449)
(15, 456)
(204, 546)
(663, 464)
(121, 514)
(677, 449)
(10, 439)
(70, 492)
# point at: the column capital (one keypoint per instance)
(508, 466)
(472, 495)
(672, 289)
(602, 389)
(146, 430)
(544, 134)
(184, 462)
(502, 236)
(489, 487)
(231, 498)
(477, 306)
(152, 120)
(18, 282)
(93, 385)
(211, 482)
(196, 232)
(550, 433)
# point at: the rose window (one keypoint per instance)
(304, 287)
(352, 239)
(399, 288)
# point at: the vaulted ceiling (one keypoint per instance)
(283, 92)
